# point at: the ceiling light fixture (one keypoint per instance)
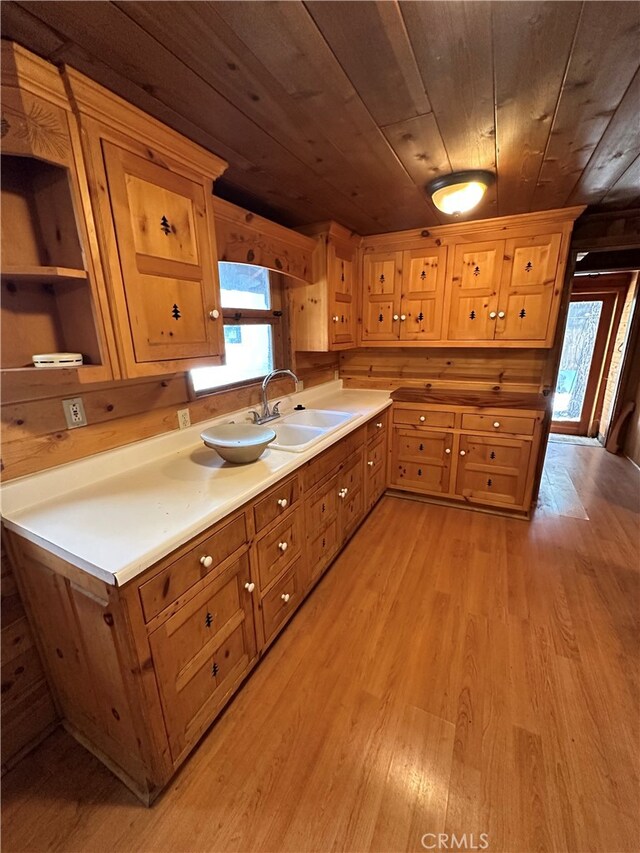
(459, 192)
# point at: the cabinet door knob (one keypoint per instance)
(283, 546)
(422, 419)
(496, 424)
(378, 426)
(335, 318)
(285, 597)
(447, 450)
(343, 493)
(249, 587)
(403, 317)
(206, 561)
(500, 315)
(395, 317)
(370, 463)
(214, 314)
(492, 315)
(282, 502)
(463, 453)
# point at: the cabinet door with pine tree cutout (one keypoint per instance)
(529, 294)
(474, 291)
(381, 296)
(423, 280)
(168, 267)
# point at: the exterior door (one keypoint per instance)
(529, 291)
(592, 323)
(474, 292)
(165, 255)
(381, 274)
(423, 282)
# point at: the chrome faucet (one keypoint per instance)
(267, 413)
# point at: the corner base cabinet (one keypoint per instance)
(481, 451)
(140, 671)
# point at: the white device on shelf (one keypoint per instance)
(57, 359)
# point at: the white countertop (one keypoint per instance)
(117, 513)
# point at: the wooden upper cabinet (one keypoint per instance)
(422, 298)
(530, 291)
(497, 282)
(474, 291)
(168, 279)
(381, 273)
(152, 193)
(324, 311)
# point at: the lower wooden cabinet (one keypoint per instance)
(201, 652)
(139, 672)
(480, 454)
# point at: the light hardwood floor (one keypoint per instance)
(454, 672)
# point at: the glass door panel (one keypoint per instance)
(575, 364)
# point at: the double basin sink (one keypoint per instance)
(300, 430)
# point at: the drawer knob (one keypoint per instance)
(285, 597)
(447, 450)
(214, 314)
(282, 502)
(496, 424)
(370, 463)
(249, 586)
(492, 315)
(463, 453)
(336, 319)
(283, 546)
(206, 561)
(378, 426)
(422, 419)
(403, 317)
(501, 315)
(396, 317)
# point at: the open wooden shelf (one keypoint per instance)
(33, 274)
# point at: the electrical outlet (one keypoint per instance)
(184, 418)
(74, 413)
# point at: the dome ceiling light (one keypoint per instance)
(459, 192)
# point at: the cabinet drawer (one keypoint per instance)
(323, 548)
(322, 506)
(499, 424)
(377, 426)
(332, 459)
(277, 501)
(279, 548)
(197, 663)
(281, 601)
(424, 418)
(163, 589)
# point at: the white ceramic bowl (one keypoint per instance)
(239, 443)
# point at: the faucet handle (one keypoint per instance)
(255, 415)
(276, 408)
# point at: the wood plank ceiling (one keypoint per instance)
(344, 110)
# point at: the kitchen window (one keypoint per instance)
(251, 299)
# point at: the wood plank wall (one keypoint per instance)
(35, 437)
(481, 369)
(28, 713)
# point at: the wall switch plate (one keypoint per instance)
(184, 418)
(74, 413)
